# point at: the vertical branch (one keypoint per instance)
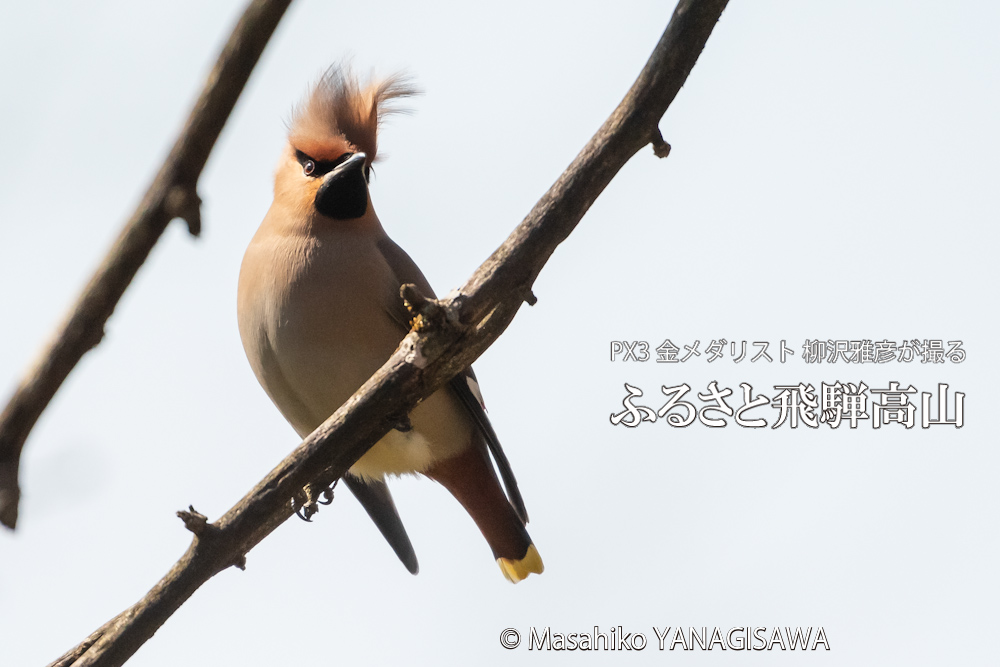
(173, 194)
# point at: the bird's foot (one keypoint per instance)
(328, 493)
(306, 503)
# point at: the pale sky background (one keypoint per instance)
(833, 175)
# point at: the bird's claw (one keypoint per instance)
(303, 505)
(306, 504)
(328, 494)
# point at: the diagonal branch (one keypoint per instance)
(449, 336)
(173, 194)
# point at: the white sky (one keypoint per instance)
(833, 176)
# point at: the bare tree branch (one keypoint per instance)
(447, 336)
(173, 194)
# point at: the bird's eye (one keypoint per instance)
(308, 167)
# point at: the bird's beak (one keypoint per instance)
(344, 193)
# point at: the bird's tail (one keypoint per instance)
(471, 479)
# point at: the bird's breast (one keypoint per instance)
(314, 319)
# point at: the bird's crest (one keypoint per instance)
(342, 115)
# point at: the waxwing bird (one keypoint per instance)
(319, 312)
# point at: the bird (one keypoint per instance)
(319, 311)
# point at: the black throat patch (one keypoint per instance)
(344, 196)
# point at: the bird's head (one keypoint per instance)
(332, 143)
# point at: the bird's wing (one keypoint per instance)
(406, 271)
(375, 498)
(464, 384)
(466, 388)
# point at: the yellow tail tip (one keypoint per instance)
(516, 570)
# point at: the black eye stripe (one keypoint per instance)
(320, 168)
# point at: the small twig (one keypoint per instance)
(194, 520)
(660, 147)
(428, 359)
(173, 194)
(183, 202)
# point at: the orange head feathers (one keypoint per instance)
(332, 143)
(341, 115)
